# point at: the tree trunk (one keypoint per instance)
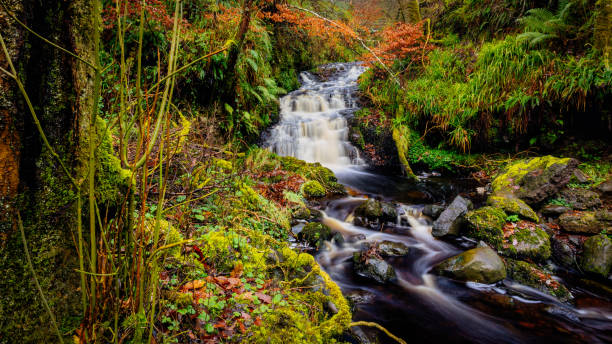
(232, 60)
(60, 88)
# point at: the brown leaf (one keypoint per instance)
(264, 298)
(197, 284)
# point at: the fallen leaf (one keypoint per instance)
(197, 284)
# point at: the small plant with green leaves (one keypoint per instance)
(512, 218)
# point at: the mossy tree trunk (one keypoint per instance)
(60, 88)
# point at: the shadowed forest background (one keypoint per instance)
(262, 171)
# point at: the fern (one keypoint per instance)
(542, 26)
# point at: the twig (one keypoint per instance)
(373, 324)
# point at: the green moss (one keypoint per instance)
(313, 189)
(486, 224)
(314, 233)
(224, 165)
(512, 205)
(401, 136)
(511, 175)
(315, 172)
(528, 243)
(529, 275)
(169, 235)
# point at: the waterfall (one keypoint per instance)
(313, 119)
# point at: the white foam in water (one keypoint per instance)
(312, 127)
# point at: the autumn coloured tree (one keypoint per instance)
(399, 42)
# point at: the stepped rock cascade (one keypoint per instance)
(313, 119)
(415, 304)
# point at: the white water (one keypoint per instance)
(313, 120)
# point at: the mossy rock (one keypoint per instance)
(315, 233)
(597, 255)
(373, 267)
(529, 275)
(534, 180)
(479, 264)
(313, 189)
(392, 248)
(370, 209)
(581, 222)
(313, 171)
(581, 199)
(486, 224)
(531, 243)
(512, 205)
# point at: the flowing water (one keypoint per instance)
(418, 306)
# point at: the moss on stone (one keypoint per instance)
(531, 243)
(313, 189)
(313, 171)
(529, 275)
(512, 174)
(401, 136)
(486, 224)
(597, 255)
(512, 205)
(314, 233)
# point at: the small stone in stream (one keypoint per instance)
(451, 218)
(433, 210)
(356, 237)
(314, 233)
(479, 264)
(358, 297)
(581, 199)
(392, 248)
(371, 209)
(597, 255)
(529, 275)
(373, 267)
(554, 210)
(564, 250)
(338, 239)
(531, 243)
(580, 222)
(389, 212)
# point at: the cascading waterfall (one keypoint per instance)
(313, 119)
(418, 306)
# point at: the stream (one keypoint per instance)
(417, 306)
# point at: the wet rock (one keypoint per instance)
(315, 233)
(392, 248)
(529, 275)
(357, 335)
(389, 212)
(356, 237)
(370, 209)
(581, 199)
(479, 264)
(417, 196)
(300, 212)
(433, 210)
(338, 239)
(534, 180)
(554, 210)
(597, 255)
(512, 205)
(373, 267)
(359, 297)
(486, 224)
(580, 222)
(531, 243)
(564, 250)
(451, 218)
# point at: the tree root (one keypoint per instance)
(373, 324)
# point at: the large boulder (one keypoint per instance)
(433, 210)
(512, 205)
(486, 224)
(370, 265)
(565, 249)
(534, 180)
(529, 275)
(581, 199)
(451, 219)
(597, 255)
(479, 264)
(530, 242)
(581, 222)
(315, 233)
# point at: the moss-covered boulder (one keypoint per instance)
(313, 171)
(581, 222)
(313, 189)
(451, 220)
(581, 199)
(372, 266)
(486, 224)
(534, 180)
(512, 205)
(300, 212)
(529, 275)
(528, 243)
(597, 255)
(392, 248)
(371, 209)
(315, 233)
(480, 264)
